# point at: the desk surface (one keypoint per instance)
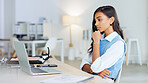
(15, 75)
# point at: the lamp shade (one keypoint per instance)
(70, 20)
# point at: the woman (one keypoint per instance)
(108, 48)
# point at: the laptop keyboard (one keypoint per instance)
(37, 70)
(48, 69)
(44, 70)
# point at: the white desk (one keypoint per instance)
(13, 75)
(33, 42)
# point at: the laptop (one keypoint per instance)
(24, 62)
(32, 60)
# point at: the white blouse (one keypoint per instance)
(109, 58)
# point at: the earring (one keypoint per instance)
(110, 24)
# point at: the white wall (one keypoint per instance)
(1, 18)
(6, 20)
(31, 10)
(132, 15)
(9, 17)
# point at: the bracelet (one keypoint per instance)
(91, 71)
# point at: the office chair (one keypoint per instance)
(119, 75)
(51, 43)
(125, 39)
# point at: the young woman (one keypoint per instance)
(108, 47)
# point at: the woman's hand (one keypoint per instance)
(104, 74)
(96, 36)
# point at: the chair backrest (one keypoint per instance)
(12, 42)
(51, 43)
(119, 75)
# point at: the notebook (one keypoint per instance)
(67, 79)
(24, 62)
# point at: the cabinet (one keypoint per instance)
(28, 30)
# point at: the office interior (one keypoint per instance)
(75, 32)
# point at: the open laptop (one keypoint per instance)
(32, 60)
(24, 62)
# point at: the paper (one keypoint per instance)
(65, 79)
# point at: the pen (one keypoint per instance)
(83, 81)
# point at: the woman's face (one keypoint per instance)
(102, 21)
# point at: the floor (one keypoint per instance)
(133, 73)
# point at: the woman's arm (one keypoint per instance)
(96, 45)
(96, 51)
(104, 74)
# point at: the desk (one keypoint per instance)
(8, 42)
(9, 75)
(33, 42)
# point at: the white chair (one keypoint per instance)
(130, 41)
(51, 43)
(119, 75)
(12, 44)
